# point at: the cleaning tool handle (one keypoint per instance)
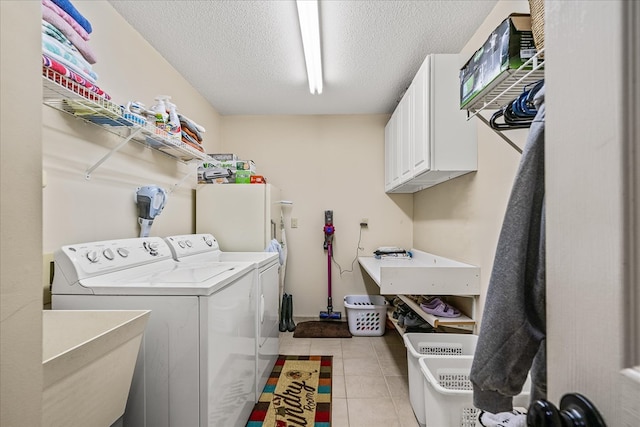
(329, 255)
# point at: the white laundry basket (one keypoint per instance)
(367, 314)
(431, 345)
(448, 393)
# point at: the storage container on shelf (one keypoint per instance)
(366, 314)
(448, 393)
(431, 345)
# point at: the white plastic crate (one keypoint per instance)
(448, 392)
(431, 345)
(367, 314)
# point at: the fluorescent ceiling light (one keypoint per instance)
(310, 30)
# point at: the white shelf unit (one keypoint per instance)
(72, 98)
(505, 88)
(427, 274)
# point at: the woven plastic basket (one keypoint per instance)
(448, 392)
(431, 345)
(536, 8)
(367, 314)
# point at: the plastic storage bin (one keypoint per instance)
(448, 393)
(431, 345)
(366, 314)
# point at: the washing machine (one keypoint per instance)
(196, 249)
(196, 365)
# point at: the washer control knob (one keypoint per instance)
(181, 244)
(151, 247)
(92, 256)
(108, 254)
(208, 241)
(123, 252)
(188, 243)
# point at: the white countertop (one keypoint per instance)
(424, 274)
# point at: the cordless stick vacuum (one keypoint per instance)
(328, 242)
(150, 200)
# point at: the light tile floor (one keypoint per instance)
(370, 387)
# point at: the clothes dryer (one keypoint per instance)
(196, 249)
(196, 365)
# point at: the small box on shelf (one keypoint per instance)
(508, 47)
(243, 177)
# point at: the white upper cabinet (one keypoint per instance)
(428, 139)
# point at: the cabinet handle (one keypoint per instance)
(575, 411)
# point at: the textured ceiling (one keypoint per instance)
(245, 57)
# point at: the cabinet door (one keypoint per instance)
(422, 119)
(388, 155)
(405, 145)
(396, 147)
(392, 141)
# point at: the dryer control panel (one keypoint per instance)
(192, 244)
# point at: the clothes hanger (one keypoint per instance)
(507, 123)
(519, 113)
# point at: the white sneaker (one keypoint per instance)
(514, 418)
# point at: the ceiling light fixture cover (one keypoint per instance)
(310, 31)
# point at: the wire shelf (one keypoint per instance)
(68, 96)
(504, 89)
(508, 86)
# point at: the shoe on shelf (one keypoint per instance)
(439, 308)
(401, 320)
(412, 319)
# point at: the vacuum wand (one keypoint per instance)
(329, 229)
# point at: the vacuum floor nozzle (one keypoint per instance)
(331, 315)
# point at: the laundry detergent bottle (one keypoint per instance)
(160, 111)
(173, 126)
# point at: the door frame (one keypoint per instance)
(593, 205)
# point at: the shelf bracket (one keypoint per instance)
(500, 134)
(184, 178)
(124, 142)
(521, 77)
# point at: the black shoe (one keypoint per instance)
(291, 326)
(282, 326)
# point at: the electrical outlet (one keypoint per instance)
(364, 222)
(294, 222)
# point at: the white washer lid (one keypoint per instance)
(176, 279)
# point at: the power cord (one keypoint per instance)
(354, 259)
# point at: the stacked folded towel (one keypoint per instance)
(191, 132)
(65, 47)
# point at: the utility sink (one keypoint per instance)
(88, 358)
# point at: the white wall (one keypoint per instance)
(461, 219)
(21, 213)
(320, 163)
(80, 210)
